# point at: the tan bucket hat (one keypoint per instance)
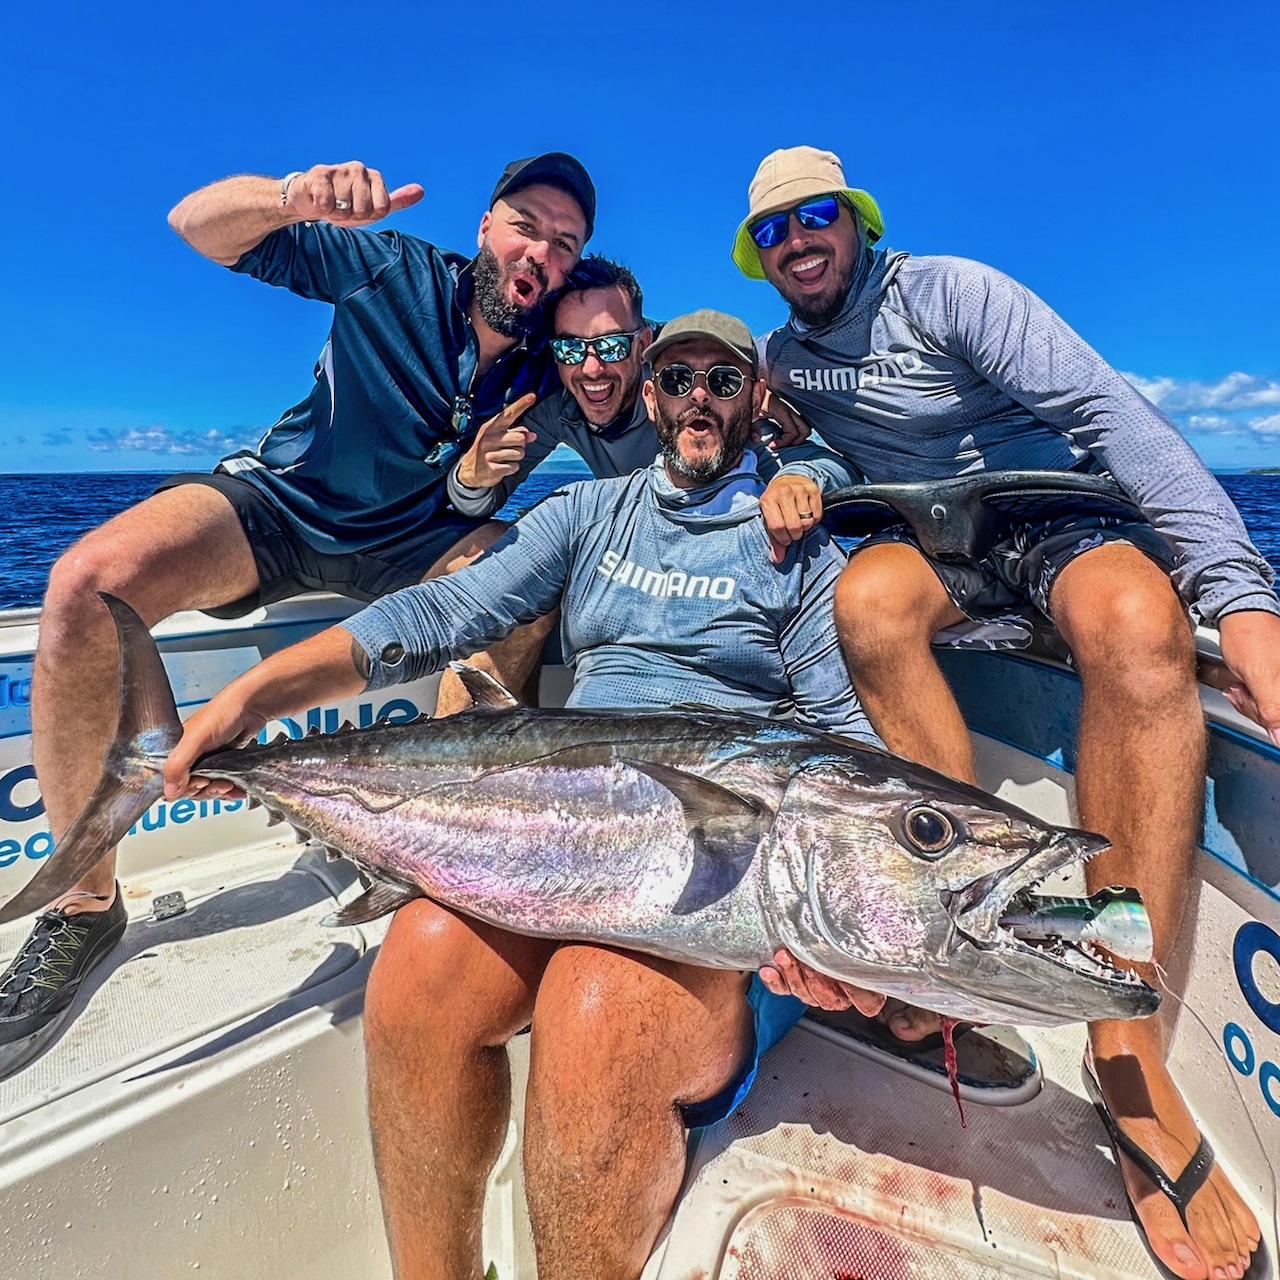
(786, 178)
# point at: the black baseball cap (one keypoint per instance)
(557, 169)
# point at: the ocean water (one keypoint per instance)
(42, 515)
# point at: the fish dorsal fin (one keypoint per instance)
(485, 691)
(697, 706)
(725, 827)
(376, 901)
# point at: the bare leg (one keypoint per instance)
(618, 1041)
(513, 662)
(444, 997)
(1142, 735)
(181, 549)
(889, 606)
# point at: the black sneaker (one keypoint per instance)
(36, 990)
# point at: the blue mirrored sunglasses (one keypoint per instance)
(610, 348)
(811, 215)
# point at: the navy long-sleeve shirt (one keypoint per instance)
(363, 460)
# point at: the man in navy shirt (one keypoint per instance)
(346, 491)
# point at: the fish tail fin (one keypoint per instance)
(147, 730)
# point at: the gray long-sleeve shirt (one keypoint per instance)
(666, 595)
(939, 366)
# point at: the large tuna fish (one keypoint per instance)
(700, 835)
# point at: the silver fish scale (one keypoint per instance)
(707, 837)
(594, 853)
(545, 822)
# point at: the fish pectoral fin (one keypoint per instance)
(726, 829)
(723, 850)
(485, 691)
(701, 798)
(376, 901)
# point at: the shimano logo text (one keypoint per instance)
(689, 586)
(855, 376)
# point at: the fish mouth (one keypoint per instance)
(980, 911)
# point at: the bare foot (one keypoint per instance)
(74, 901)
(908, 1022)
(1221, 1231)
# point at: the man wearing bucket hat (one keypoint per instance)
(627, 1052)
(927, 368)
(346, 492)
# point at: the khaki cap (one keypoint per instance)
(785, 179)
(727, 330)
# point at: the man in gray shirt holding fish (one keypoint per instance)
(668, 596)
(930, 368)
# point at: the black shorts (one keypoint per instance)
(1007, 592)
(289, 565)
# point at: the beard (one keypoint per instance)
(819, 309)
(503, 316)
(735, 431)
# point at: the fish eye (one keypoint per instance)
(928, 830)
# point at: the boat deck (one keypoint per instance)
(205, 1111)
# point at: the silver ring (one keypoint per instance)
(342, 204)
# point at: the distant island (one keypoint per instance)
(1263, 471)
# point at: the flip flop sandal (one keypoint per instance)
(1180, 1191)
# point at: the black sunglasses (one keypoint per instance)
(724, 381)
(811, 215)
(610, 348)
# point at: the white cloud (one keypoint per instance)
(1235, 391)
(1228, 407)
(1268, 426)
(163, 440)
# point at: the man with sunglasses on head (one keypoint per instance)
(929, 368)
(346, 492)
(667, 596)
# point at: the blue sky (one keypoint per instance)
(1119, 158)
